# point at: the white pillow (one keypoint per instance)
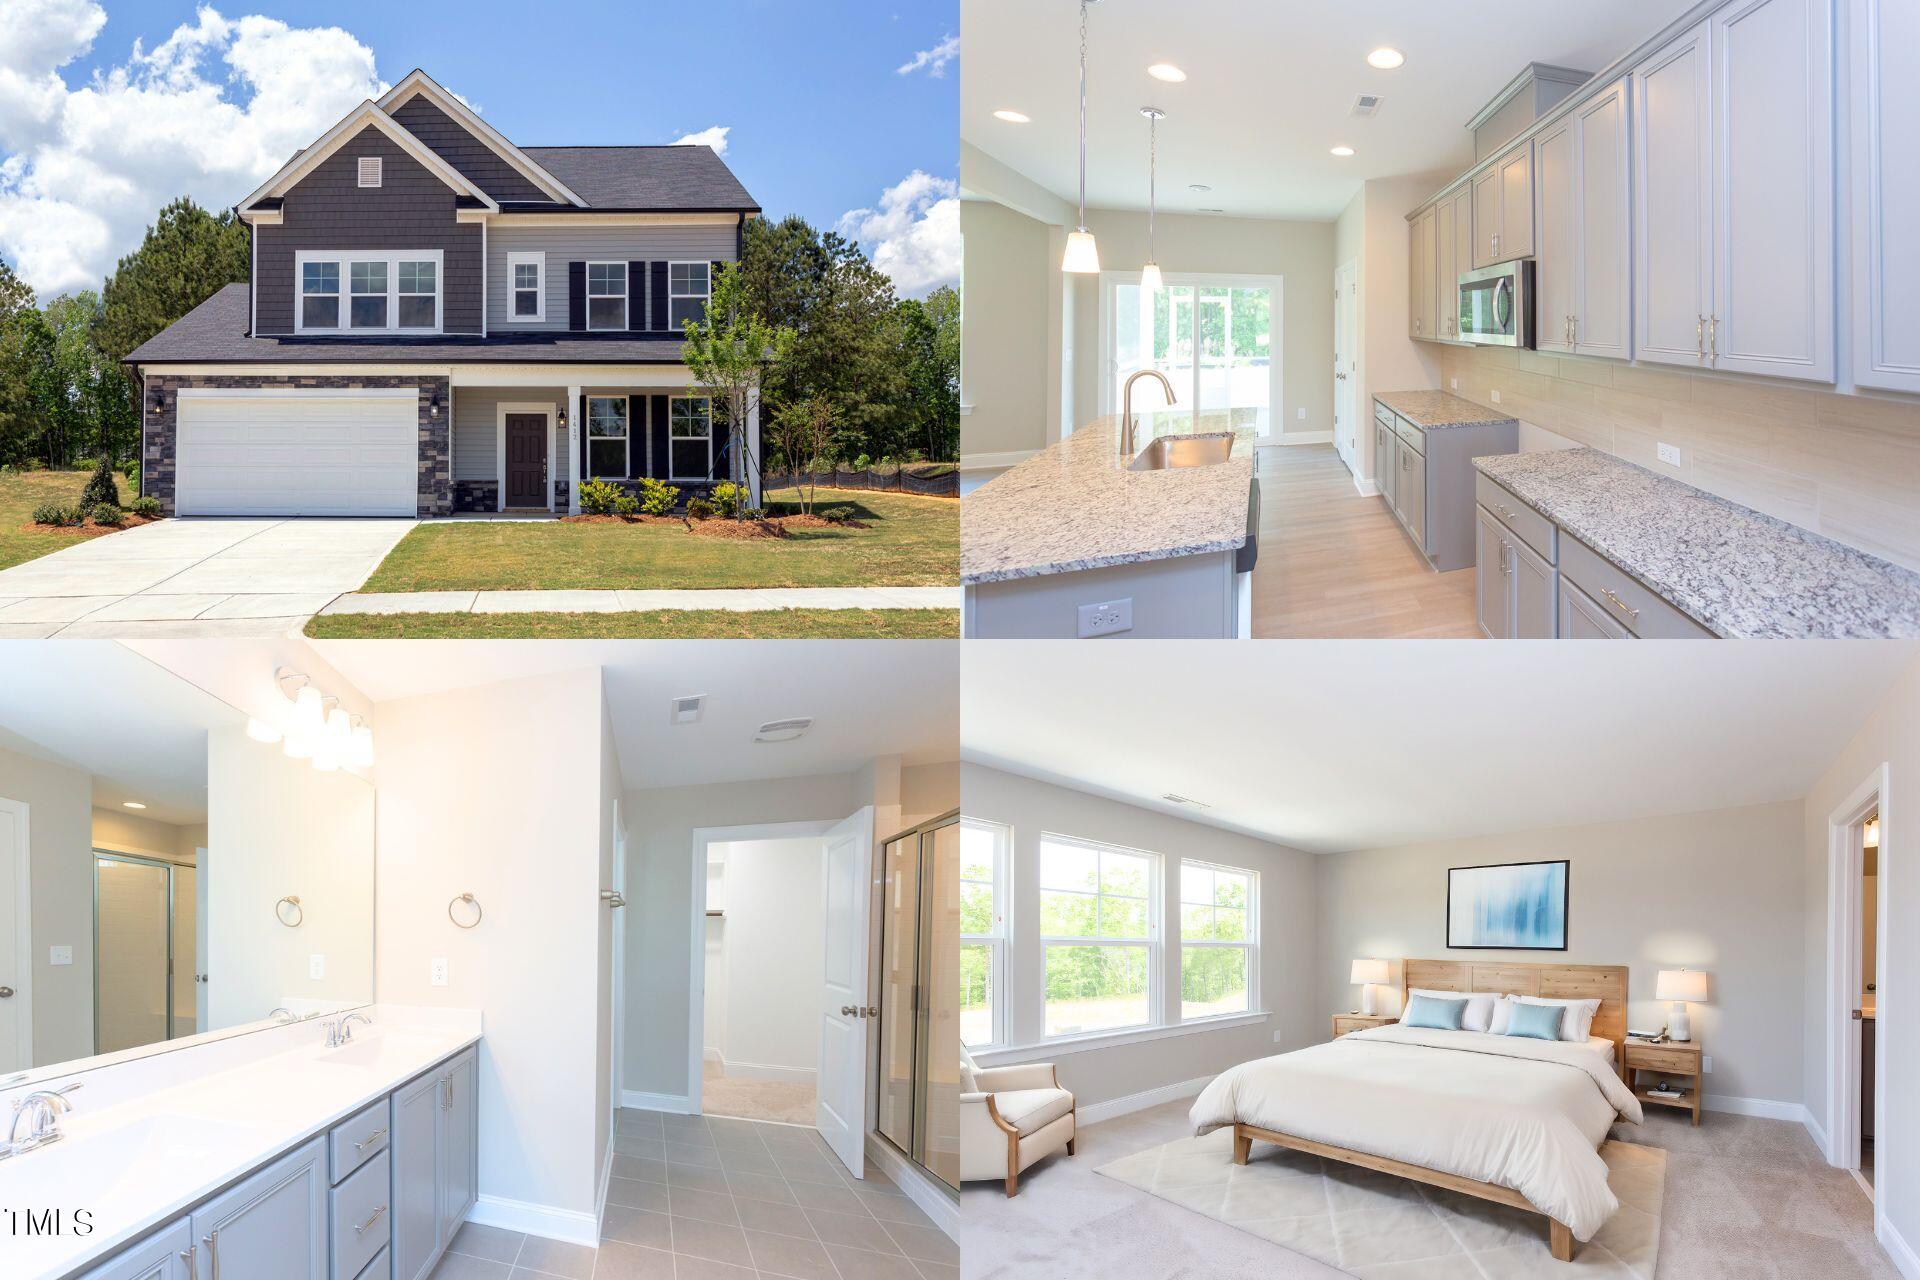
(1502, 1013)
(1578, 1019)
(1475, 1017)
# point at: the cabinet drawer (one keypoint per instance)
(1648, 1058)
(362, 1213)
(1359, 1022)
(1636, 607)
(357, 1139)
(1382, 414)
(1411, 435)
(1534, 529)
(381, 1268)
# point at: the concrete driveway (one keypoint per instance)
(194, 577)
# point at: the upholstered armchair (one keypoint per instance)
(1011, 1117)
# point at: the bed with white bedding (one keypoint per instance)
(1506, 1118)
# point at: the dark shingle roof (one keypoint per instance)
(215, 332)
(683, 179)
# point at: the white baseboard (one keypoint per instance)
(606, 1181)
(1765, 1108)
(678, 1103)
(927, 1192)
(1898, 1249)
(1818, 1134)
(542, 1220)
(763, 1071)
(711, 1054)
(1140, 1101)
(995, 461)
(1305, 437)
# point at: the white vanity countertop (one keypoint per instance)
(136, 1165)
(1075, 505)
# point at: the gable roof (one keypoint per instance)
(368, 113)
(683, 179)
(418, 82)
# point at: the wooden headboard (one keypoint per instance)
(1605, 982)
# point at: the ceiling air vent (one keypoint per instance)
(1366, 104)
(783, 730)
(1174, 798)
(686, 710)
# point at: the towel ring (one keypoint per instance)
(299, 913)
(469, 899)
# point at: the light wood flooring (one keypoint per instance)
(1335, 565)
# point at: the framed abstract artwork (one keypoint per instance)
(1512, 906)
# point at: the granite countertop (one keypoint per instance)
(1436, 410)
(1735, 571)
(1074, 505)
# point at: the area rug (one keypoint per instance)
(1380, 1227)
(754, 1099)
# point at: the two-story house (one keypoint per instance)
(439, 320)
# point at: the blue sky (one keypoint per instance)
(820, 120)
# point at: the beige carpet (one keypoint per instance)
(754, 1099)
(1380, 1227)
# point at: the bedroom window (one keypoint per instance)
(606, 295)
(365, 292)
(607, 435)
(983, 932)
(689, 284)
(320, 295)
(419, 295)
(369, 288)
(527, 283)
(1097, 935)
(1218, 950)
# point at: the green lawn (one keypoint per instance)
(658, 624)
(909, 542)
(20, 539)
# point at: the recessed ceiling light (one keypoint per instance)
(1343, 151)
(1198, 188)
(1166, 71)
(131, 804)
(1386, 58)
(1012, 117)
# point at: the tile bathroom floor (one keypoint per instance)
(716, 1198)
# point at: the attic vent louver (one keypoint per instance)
(1366, 104)
(686, 710)
(369, 171)
(783, 730)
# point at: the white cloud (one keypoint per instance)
(933, 61)
(914, 236)
(716, 137)
(209, 112)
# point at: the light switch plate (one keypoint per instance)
(1669, 453)
(59, 955)
(1495, 393)
(1276, 1036)
(1301, 413)
(1455, 382)
(1706, 1064)
(1106, 618)
(439, 971)
(317, 966)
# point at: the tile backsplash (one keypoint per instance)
(1847, 466)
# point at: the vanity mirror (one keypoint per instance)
(165, 879)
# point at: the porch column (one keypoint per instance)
(747, 463)
(577, 411)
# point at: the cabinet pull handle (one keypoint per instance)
(1506, 557)
(1504, 509)
(370, 1139)
(1700, 337)
(361, 1228)
(1619, 604)
(191, 1255)
(1713, 337)
(446, 1100)
(213, 1250)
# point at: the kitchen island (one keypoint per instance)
(1079, 541)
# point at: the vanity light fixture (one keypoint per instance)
(1343, 151)
(1870, 838)
(1166, 71)
(360, 752)
(1386, 58)
(260, 731)
(131, 804)
(1012, 117)
(1083, 255)
(1150, 274)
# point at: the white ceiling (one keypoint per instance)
(1268, 92)
(96, 706)
(1329, 747)
(868, 697)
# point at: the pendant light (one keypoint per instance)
(1083, 256)
(1150, 274)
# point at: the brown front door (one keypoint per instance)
(526, 460)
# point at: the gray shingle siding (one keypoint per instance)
(476, 424)
(590, 244)
(328, 209)
(459, 148)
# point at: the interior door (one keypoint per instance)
(839, 1110)
(201, 978)
(184, 963)
(1345, 385)
(16, 949)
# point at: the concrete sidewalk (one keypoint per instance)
(732, 600)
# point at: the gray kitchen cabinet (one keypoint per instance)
(273, 1223)
(1486, 216)
(1673, 200)
(1514, 586)
(1503, 208)
(1884, 110)
(1533, 582)
(1420, 276)
(1411, 487)
(1556, 264)
(1462, 260)
(1386, 460)
(1584, 618)
(1581, 220)
(1492, 588)
(1444, 305)
(434, 1153)
(165, 1255)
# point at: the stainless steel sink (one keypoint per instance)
(1184, 451)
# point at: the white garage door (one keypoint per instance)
(304, 453)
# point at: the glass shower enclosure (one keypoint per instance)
(919, 1033)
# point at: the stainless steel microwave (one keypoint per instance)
(1495, 305)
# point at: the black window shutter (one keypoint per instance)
(636, 295)
(661, 322)
(657, 417)
(577, 296)
(636, 431)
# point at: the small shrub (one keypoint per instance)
(107, 513)
(755, 513)
(657, 496)
(699, 509)
(131, 470)
(861, 462)
(626, 504)
(839, 513)
(600, 498)
(146, 508)
(100, 486)
(57, 513)
(727, 498)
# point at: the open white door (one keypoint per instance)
(16, 947)
(840, 1105)
(200, 942)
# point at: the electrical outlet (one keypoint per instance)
(59, 955)
(438, 972)
(1495, 393)
(1277, 1035)
(316, 966)
(1106, 618)
(1455, 383)
(1301, 413)
(1706, 1064)
(1669, 453)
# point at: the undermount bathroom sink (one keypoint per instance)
(1168, 452)
(370, 1047)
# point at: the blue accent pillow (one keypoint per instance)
(1540, 1021)
(1435, 1015)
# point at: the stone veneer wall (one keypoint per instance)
(160, 429)
(1847, 466)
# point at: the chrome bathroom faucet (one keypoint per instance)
(340, 1030)
(40, 1111)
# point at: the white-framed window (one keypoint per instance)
(985, 853)
(1219, 940)
(1099, 936)
(353, 291)
(689, 438)
(369, 172)
(689, 285)
(527, 287)
(607, 435)
(606, 295)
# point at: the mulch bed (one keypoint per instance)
(89, 529)
(723, 527)
(740, 530)
(634, 519)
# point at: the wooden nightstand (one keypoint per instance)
(1345, 1022)
(1676, 1062)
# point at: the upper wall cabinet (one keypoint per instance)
(1420, 254)
(1439, 248)
(1733, 241)
(1885, 95)
(1503, 208)
(1581, 226)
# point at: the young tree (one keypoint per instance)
(730, 352)
(805, 435)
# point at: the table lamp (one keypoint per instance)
(1680, 986)
(1367, 973)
